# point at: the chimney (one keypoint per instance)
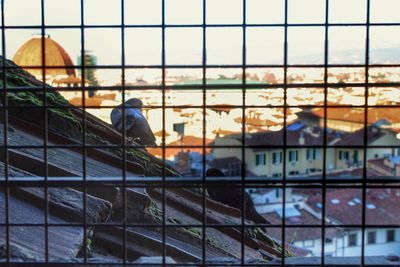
(302, 140)
(376, 131)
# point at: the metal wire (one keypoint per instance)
(326, 47)
(84, 165)
(323, 181)
(204, 82)
(5, 131)
(364, 190)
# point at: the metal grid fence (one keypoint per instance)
(164, 182)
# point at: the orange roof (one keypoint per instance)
(160, 133)
(393, 129)
(92, 101)
(258, 122)
(223, 107)
(89, 101)
(69, 79)
(30, 54)
(391, 115)
(224, 132)
(187, 140)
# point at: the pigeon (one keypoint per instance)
(232, 196)
(136, 125)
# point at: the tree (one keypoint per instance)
(90, 73)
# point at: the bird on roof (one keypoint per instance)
(232, 196)
(136, 125)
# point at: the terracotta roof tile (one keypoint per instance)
(312, 136)
(299, 233)
(384, 206)
(356, 114)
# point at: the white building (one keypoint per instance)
(342, 207)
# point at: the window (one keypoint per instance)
(343, 155)
(356, 157)
(317, 154)
(310, 154)
(313, 154)
(285, 97)
(276, 158)
(390, 235)
(261, 159)
(352, 240)
(293, 156)
(371, 238)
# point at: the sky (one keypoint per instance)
(264, 45)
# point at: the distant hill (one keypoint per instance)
(353, 56)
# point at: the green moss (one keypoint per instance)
(157, 215)
(259, 234)
(62, 120)
(56, 99)
(14, 80)
(174, 221)
(137, 154)
(94, 139)
(155, 212)
(194, 232)
(68, 116)
(264, 260)
(36, 99)
(24, 98)
(168, 170)
(148, 162)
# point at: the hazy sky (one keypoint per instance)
(224, 45)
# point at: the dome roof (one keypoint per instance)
(30, 54)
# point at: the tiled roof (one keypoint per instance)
(344, 206)
(144, 205)
(357, 172)
(307, 191)
(337, 207)
(262, 191)
(387, 206)
(313, 136)
(381, 166)
(356, 115)
(298, 233)
(187, 140)
(250, 121)
(230, 166)
(221, 163)
(357, 137)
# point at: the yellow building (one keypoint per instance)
(304, 156)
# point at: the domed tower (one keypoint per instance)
(30, 55)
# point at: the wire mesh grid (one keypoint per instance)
(324, 183)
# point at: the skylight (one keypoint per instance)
(335, 201)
